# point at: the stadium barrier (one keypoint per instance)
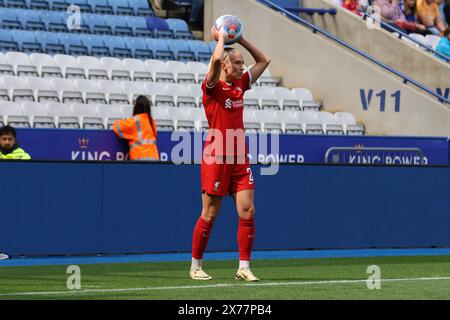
(65, 144)
(377, 155)
(53, 208)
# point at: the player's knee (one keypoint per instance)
(209, 219)
(247, 212)
(209, 215)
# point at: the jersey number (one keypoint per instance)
(250, 176)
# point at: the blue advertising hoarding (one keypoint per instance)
(80, 145)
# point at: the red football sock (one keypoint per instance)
(200, 238)
(246, 235)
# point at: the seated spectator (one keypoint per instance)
(353, 6)
(410, 12)
(392, 14)
(9, 149)
(443, 46)
(428, 13)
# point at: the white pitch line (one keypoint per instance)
(223, 285)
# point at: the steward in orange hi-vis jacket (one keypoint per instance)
(140, 131)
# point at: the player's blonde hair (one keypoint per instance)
(226, 53)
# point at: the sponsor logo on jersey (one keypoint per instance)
(233, 104)
(228, 104)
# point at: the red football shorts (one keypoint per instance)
(221, 178)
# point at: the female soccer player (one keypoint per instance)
(225, 167)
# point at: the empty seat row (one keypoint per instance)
(108, 68)
(118, 7)
(34, 20)
(104, 46)
(305, 122)
(279, 98)
(99, 116)
(84, 91)
(61, 115)
(122, 90)
(428, 40)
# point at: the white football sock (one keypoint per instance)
(196, 264)
(244, 264)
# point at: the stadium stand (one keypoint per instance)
(120, 50)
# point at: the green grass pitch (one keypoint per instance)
(424, 277)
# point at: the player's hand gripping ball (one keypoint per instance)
(231, 26)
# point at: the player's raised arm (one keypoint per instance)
(216, 59)
(262, 61)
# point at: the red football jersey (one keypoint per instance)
(224, 108)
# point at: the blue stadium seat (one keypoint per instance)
(50, 42)
(212, 45)
(73, 44)
(102, 7)
(201, 49)
(138, 47)
(38, 4)
(9, 19)
(160, 49)
(117, 46)
(27, 41)
(7, 42)
(160, 28)
(181, 50)
(2, 4)
(139, 26)
(180, 28)
(119, 25)
(95, 45)
(142, 7)
(121, 7)
(16, 4)
(31, 19)
(97, 24)
(54, 21)
(59, 5)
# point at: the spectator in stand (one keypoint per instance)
(392, 15)
(410, 12)
(444, 45)
(428, 13)
(353, 6)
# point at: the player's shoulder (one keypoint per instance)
(209, 88)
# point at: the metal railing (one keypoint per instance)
(375, 155)
(311, 11)
(316, 29)
(405, 35)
